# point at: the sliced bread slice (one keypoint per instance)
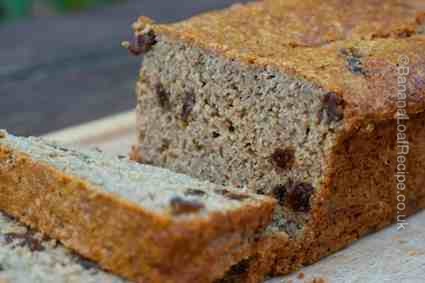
(141, 222)
(28, 256)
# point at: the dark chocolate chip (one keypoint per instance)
(283, 158)
(333, 107)
(183, 206)
(162, 95)
(27, 239)
(194, 192)
(298, 196)
(188, 104)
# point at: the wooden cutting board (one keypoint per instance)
(386, 256)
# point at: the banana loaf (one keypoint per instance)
(319, 104)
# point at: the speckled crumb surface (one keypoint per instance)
(143, 223)
(152, 187)
(27, 257)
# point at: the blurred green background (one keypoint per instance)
(11, 10)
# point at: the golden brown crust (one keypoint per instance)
(135, 154)
(316, 40)
(121, 236)
(360, 173)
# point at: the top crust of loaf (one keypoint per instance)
(350, 48)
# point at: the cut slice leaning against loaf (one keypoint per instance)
(144, 223)
(301, 100)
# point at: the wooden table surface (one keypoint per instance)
(65, 70)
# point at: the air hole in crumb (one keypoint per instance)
(188, 105)
(198, 146)
(283, 158)
(86, 263)
(183, 206)
(307, 131)
(279, 192)
(215, 135)
(232, 195)
(162, 95)
(236, 272)
(165, 145)
(229, 125)
(27, 239)
(332, 108)
(194, 192)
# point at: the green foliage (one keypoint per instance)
(73, 5)
(14, 9)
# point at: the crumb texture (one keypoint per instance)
(26, 256)
(154, 188)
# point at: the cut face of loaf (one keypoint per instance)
(141, 222)
(304, 112)
(27, 256)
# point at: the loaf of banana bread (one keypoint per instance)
(317, 103)
(144, 223)
(29, 257)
